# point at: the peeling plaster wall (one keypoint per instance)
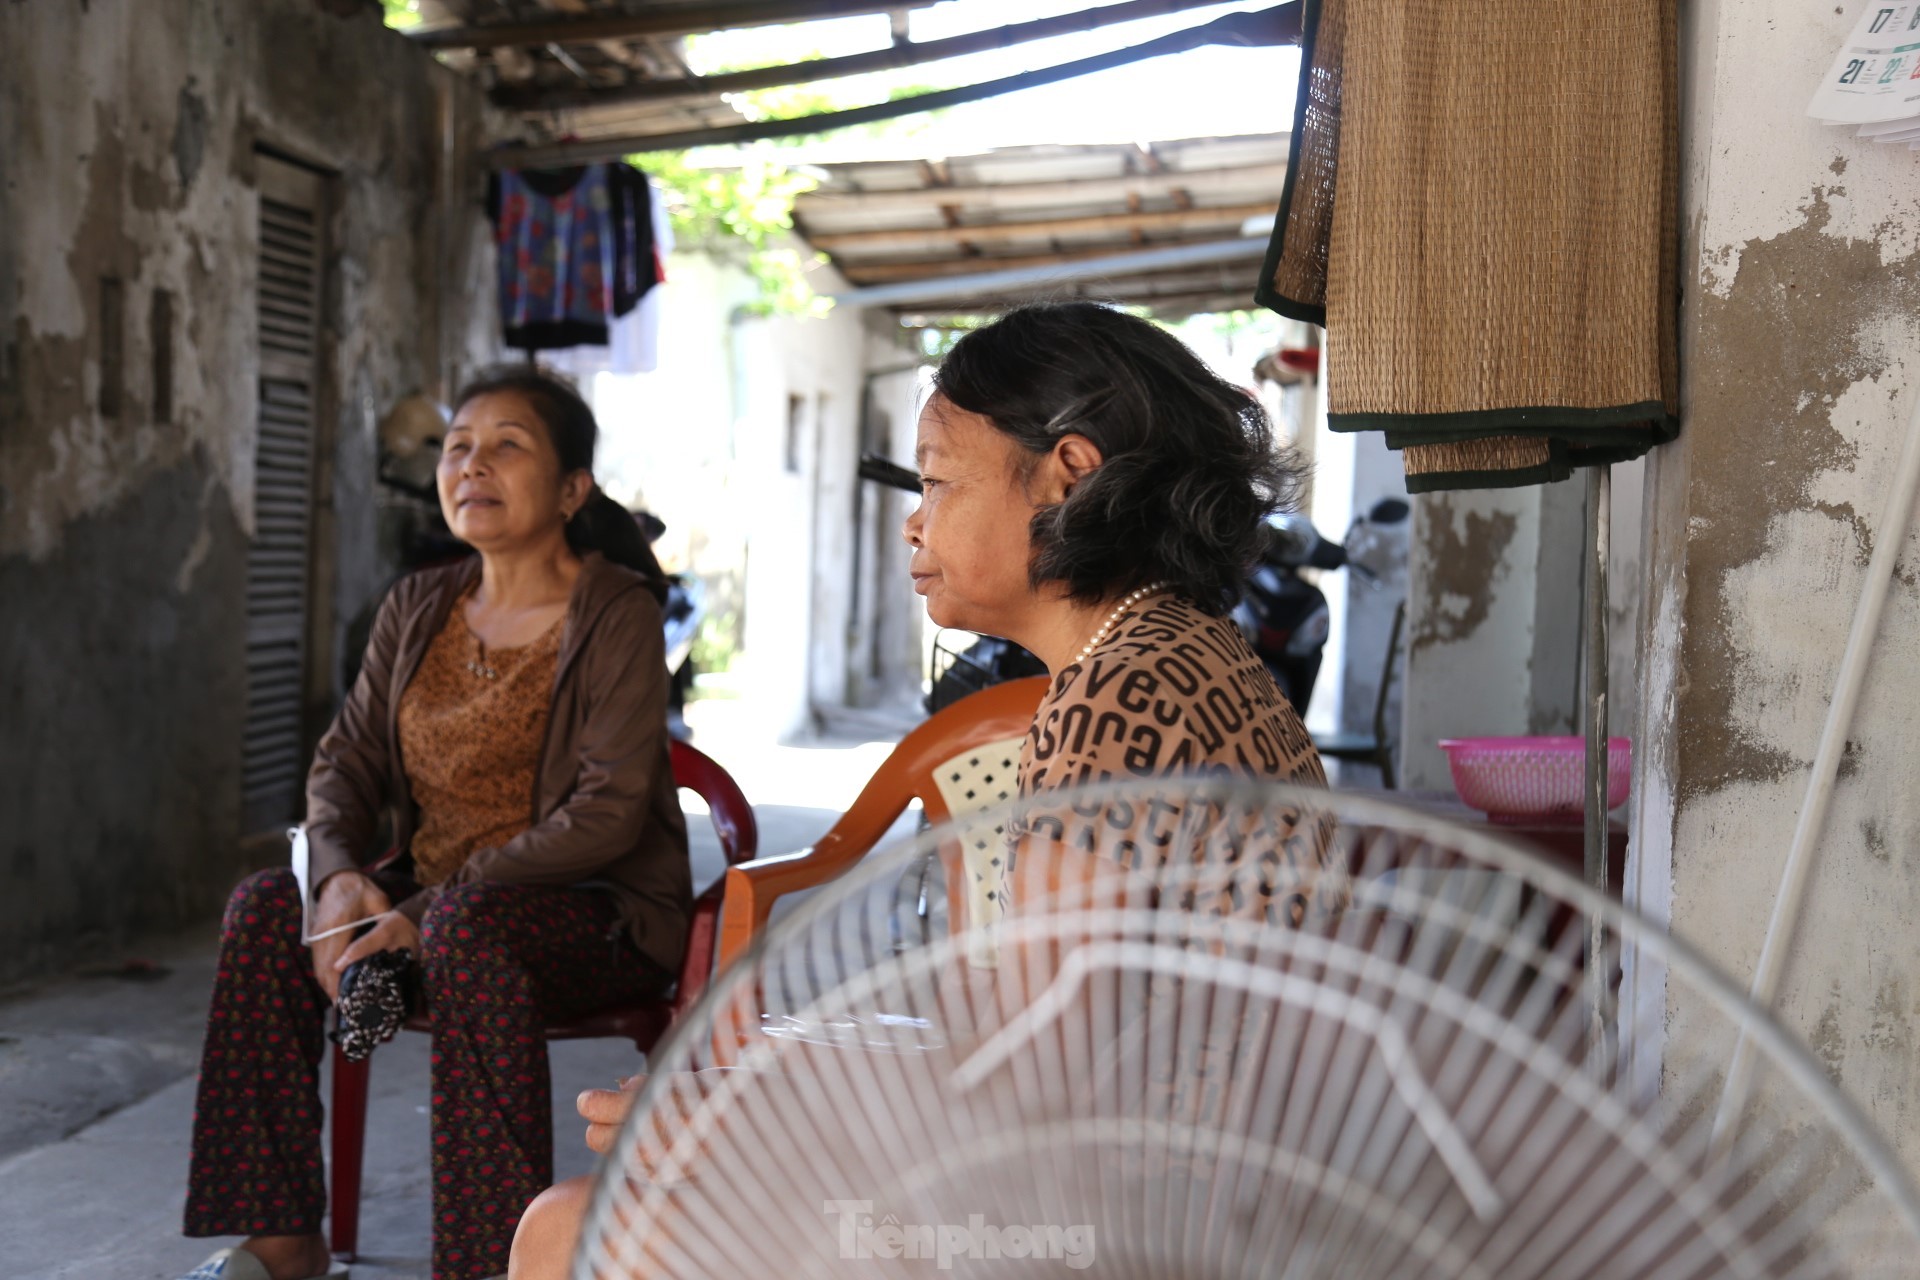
(1801, 355)
(1492, 630)
(129, 131)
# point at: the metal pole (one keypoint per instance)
(1599, 530)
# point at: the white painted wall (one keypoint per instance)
(1357, 470)
(702, 441)
(1801, 357)
(1493, 609)
(885, 659)
(1626, 591)
(667, 438)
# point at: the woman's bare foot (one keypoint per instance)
(290, 1257)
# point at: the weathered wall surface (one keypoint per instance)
(1801, 357)
(130, 132)
(1492, 630)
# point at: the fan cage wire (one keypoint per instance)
(834, 954)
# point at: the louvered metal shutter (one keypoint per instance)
(273, 763)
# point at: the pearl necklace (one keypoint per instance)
(1113, 619)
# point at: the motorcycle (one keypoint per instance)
(1282, 614)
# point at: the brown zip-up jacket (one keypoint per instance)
(604, 808)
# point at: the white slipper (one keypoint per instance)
(238, 1264)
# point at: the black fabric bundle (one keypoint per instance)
(378, 993)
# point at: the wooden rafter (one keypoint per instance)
(1185, 303)
(888, 272)
(1115, 224)
(1246, 179)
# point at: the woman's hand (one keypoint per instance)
(605, 1110)
(392, 932)
(345, 896)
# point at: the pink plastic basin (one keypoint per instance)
(1533, 779)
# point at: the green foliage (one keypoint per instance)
(742, 211)
(744, 206)
(716, 644)
(935, 341)
(401, 14)
(1229, 330)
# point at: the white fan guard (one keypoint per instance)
(1419, 1081)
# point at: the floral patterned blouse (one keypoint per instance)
(472, 724)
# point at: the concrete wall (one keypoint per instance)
(1493, 614)
(796, 434)
(129, 132)
(671, 440)
(808, 638)
(805, 569)
(1801, 354)
(885, 660)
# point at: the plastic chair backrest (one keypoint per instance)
(732, 816)
(739, 834)
(979, 778)
(912, 771)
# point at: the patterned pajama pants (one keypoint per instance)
(500, 962)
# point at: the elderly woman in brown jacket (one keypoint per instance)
(511, 714)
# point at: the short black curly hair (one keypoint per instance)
(1190, 467)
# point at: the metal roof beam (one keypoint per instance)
(1277, 25)
(890, 58)
(654, 20)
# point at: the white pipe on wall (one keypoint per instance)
(1889, 538)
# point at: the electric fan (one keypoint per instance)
(1232, 1029)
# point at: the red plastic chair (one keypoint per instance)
(643, 1024)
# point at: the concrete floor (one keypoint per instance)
(96, 1068)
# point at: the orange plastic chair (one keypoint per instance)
(945, 763)
(642, 1023)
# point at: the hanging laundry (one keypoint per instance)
(1481, 209)
(576, 250)
(633, 339)
(636, 340)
